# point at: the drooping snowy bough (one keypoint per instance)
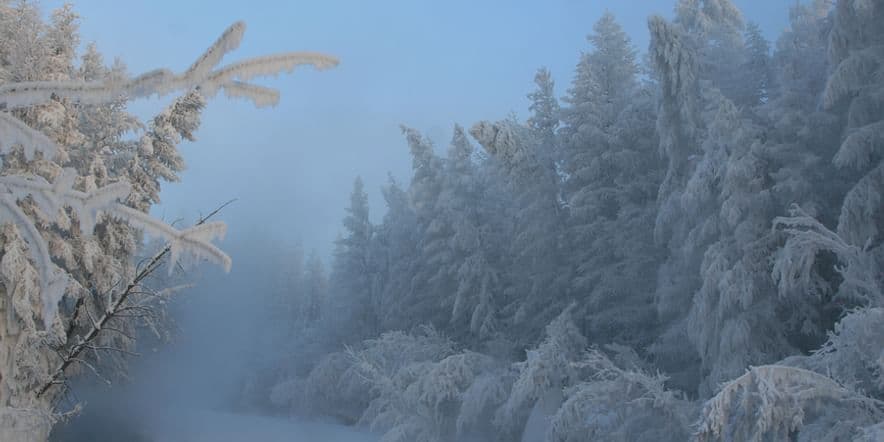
(75, 190)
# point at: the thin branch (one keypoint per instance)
(97, 348)
(113, 312)
(118, 331)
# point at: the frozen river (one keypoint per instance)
(212, 426)
(229, 427)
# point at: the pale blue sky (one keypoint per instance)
(427, 64)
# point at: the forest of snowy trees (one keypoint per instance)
(685, 243)
(683, 246)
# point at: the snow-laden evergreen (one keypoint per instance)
(75, 190)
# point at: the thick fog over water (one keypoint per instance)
(506, 221)
(188, 389)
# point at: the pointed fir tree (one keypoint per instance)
(544, 109)
(432, 282)
(474, 249)
(351, 280)
(714, 29)
(611, 184)
(757, 69)
(538, 273)
(396, 252)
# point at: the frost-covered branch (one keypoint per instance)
(116, 310)
(775, 402)
(793, 267)
(203, 76)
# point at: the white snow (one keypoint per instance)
(216, 426)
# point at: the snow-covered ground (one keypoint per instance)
(212, 426)
(180, 424)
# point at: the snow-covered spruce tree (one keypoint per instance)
(456, 268)
(856, 88)
(564, 391)
(542, 377)
(715, 207)
(391, 364)
(801, 135)
(852, 352)
(675, 64)
(775, 402)
(620, 402)
(74, 199)
(422, 389)
(545, 110)
(421, 402)
(734, 316)
(546, 114)
(714, 29)
(612, 179)
(602, 87)
(757, 68)
(395, 251)
(538, 274)
(433, 281)
(351, 281)
(474, 243)
(800, 140)
(682, 54)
